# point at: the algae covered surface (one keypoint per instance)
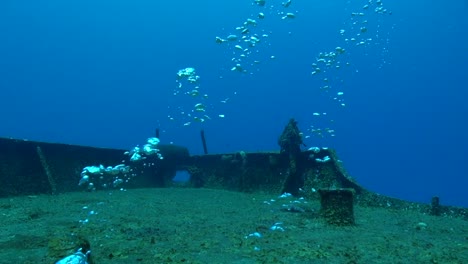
(182, 225)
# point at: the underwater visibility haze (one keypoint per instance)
(384, 83)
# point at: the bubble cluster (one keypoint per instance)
(97, 177)
(149, 149)
(247, 46)
(244, 41)
(322, 126)
(104, 176)
(328, 65)
(188, 86)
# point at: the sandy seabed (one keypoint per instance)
(181, 225)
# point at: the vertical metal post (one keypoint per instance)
(435, 206)
(202, 134)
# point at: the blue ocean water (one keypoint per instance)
(104, 73)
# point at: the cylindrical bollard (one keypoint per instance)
(337, 206)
